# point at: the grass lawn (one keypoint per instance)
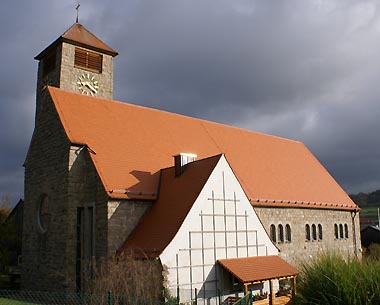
(13, 302)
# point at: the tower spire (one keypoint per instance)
(77, 8)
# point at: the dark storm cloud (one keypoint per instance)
(306, 70)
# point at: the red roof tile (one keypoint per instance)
(77, 34)
(260, 268)
(176, 197)
(132, 143)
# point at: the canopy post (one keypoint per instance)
(271, 294)
(246, 288)
(294, 291)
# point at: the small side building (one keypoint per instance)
(370, 235)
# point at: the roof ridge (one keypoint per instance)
(195, 161)
(201, 120)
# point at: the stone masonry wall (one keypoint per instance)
(123, 217)
(50, 79)
(69, 74)
(44, 262)
(85, 189)
(299, 249)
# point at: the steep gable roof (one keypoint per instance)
(78, 35)
(132, 143)
(176, 197)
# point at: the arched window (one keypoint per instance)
(336, 231)
(273, 233)
(43, 215)
(307, 228)
(288, 233)
(314, 231)
(280, 234)
(345, 231)
(320, 234)
(341, 231)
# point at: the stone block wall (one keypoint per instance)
(123, 218)
(69, 74)
(46, 176)
(299, 248)
(50, 79)
(85, 190)
(66, 174)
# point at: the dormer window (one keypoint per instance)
(88, 60)
(181, 160)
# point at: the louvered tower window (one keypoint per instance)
(88, 60)
(49, 63)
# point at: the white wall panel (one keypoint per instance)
(221, 223)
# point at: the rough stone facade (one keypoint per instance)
(300, 248)
(66, 174)
(69, 73)
(46, 174)
(123, 218)
(68, 217)
(65, 75)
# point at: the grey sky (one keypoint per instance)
(306, 70)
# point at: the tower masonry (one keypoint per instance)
(77, 61)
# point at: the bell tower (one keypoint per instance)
(77, 61)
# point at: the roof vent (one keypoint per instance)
(181, 160)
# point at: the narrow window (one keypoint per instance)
(314, 230)
(85, 245)
(336, 231)
(320, 234)
(345, 231)
(280, 233)
(307, 228)
(288, 233)
(43, 216)
(341, 231)
(49, 63)
(273, 233)
(88, 60)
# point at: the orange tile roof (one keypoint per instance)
(77, 34)
(260, 268)
(132, 143)
(176, 197)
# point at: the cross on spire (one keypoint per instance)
(77, 8)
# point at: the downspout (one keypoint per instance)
(353, 215)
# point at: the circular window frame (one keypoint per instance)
(43, 210)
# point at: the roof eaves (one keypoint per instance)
(111, 52)
(106, 50)
(48, 49)
(258, 202)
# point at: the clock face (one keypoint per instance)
(87, 84)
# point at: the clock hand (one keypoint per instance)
(89, 86)
(92, 88)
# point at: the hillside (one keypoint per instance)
(369, 204)
(367, 199)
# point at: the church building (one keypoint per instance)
(221, 208)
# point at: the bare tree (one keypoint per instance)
(131, 280)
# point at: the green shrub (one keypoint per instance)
(330, 279)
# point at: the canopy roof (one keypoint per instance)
(260, 268)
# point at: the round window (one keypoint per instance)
(43, 216)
